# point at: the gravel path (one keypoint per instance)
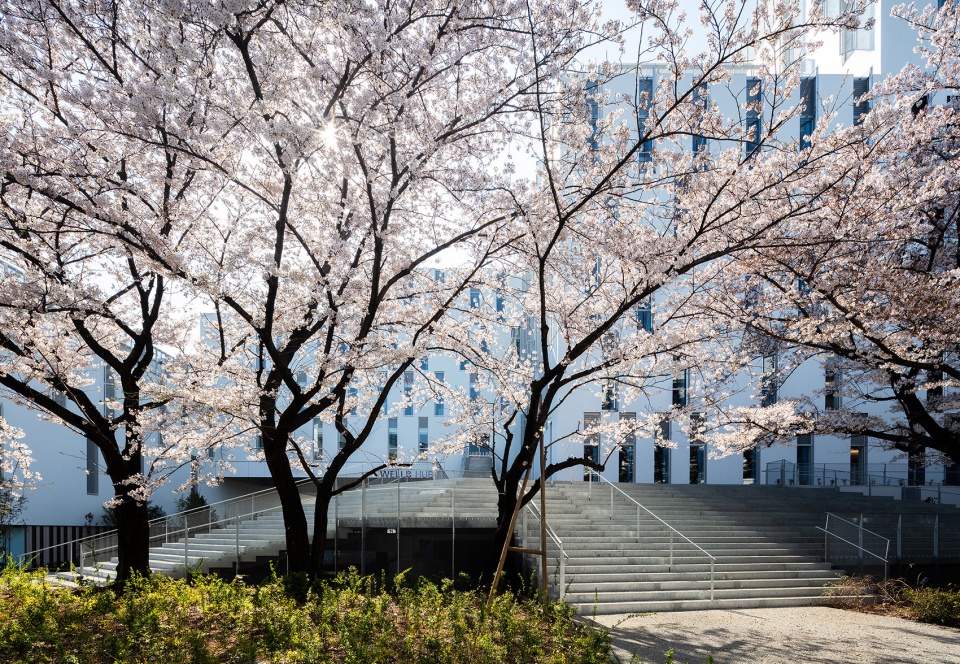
(794, 635)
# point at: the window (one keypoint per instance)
(591, 444)
(408, 393)
(317, 438)
(680, 388)
(392, 438)
(438, 405)
(425, 363)
(700, 143)
(352, 397)
(593, 106)
(474, 298)
(500, 302)
(93, 468)
(474, 391)
(463, 365)
(751, 466)
(109, 392)
(754, 126)
(858, 459)
(341, 441)
(644, 104)
(645, 316)
(861, 106)
(805, 459)
(860, 39)
(661, 453)
(628, 450)
(831, 386)
(769, 381)
(698, 448)
(609, 401)
(808, 115)
(423, 434)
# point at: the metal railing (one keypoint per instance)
(673, 531)
(859, 533)
(175, 527)
(562, 558)
(375, 503)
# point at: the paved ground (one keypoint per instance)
(771, 636)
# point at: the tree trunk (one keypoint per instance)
(291, 505)
(320, 522)
(133, 537)
(506, 503)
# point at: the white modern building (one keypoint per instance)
(842, 68)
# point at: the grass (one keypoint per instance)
(351, 619)
(896, 597)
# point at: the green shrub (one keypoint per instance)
(351, 619)
(934, 605)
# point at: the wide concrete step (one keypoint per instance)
(662, 606)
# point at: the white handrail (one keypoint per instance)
(673, 530)
(860, 547)
(562, 566)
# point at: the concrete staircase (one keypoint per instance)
(469, 503)
(767, 548)
(765, 544)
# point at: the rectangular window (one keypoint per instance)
(861, 106)
(701, 143)
(109, 392)
(438, 405)
(661, 453)
(805, 459)
(464, 364)
(392, 438)
(500, 302)
(591, 444)
(93, 468)
(769, 381)
(593, 106)
(474, 298)
(425, 363)
(423, 434)
(317, 438)
(751, 466)
(860, 39)
(832, 377)
(808, 114)
(858, 459)
(60, 398)
(341, 441)
(474, 390)
(609, 400)
(680, 388)
(754, 126)
(645, 316)
(628, 450)
(644, 104)
(352, 395)
(698, 448)
(408, 393)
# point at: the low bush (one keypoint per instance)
(940, 606)
(350, 619)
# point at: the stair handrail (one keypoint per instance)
(672, 530)
(159, 521)
(562, 571)
(826, 533)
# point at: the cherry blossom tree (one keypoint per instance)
(626, 214)
(872, 293)
(91, 173)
